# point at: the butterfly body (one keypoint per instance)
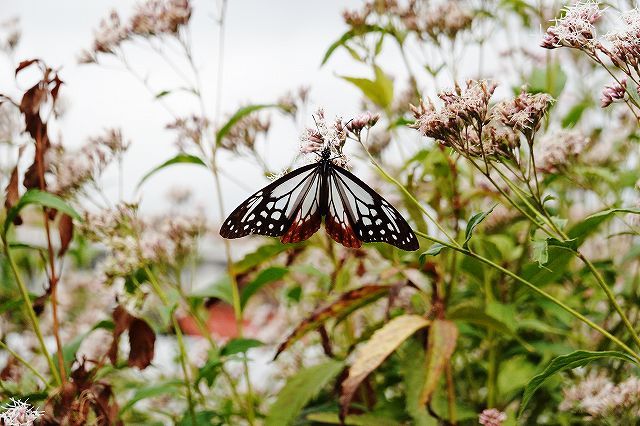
(293, 207)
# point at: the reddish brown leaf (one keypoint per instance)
(347, 303)
(142, 340)
(122, 320)
(443, 335)
(65, 229)
(372, 353)
(24, 64)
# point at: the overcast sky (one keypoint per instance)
(271, 47)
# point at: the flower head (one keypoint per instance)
(575, 28)
(524, 113)
(559, 149)
(492, 417)
(616, 92)
(20, 413)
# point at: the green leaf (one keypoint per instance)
(220, 289)
(549, 80)
(169, 387)
(567, 362)
(379, 91)
(178, 159)
(209, 371)
(299, 390)
(41, 198)
(239, 345)
(162, 94)
(434, 250)
(473, 222)
(477, 316)
(261, 255)
(589, 225)
(575, 113)
(540, 251)
(414, 376)
(370, 419)
(348, 36)
(266, 276)
(239, 115)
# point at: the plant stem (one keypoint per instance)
(185, 371)
(183, 354)
(24, 362)
(451, 396)
(537, 290)
(30, 312)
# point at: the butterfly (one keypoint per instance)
(293, 206)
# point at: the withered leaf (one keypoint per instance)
(347, 302)
(24, 64)
(121, 319)
(65, 229)
(372, 353)
(443, 335)
(142, 341)
(12, 194)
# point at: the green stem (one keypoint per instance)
(30, 312)
(25, 362)
(185, 371)
(409, 195)
(537, 290)
(183, 354)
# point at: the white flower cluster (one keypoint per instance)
(599, 398)
(19, 413)
(557, 150)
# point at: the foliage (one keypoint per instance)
(520, 302)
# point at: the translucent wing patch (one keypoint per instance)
(338, 223)
(272, 210)
(307, 214)
(371, 218)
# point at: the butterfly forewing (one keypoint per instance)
(372, 217)
(271, 210)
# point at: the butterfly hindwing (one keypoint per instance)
(271, 210)
(373, 219)
(307, 214)
(338, 222)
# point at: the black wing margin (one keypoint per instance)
(269, 211)
(372, 217)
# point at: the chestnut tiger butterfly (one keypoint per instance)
(293, 206)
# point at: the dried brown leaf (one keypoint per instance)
(142, 341)
(24, 64)
(122, 320)
(65, 229)
(348, 301)
(372, 353)
(443, 335)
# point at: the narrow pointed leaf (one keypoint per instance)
(41, 198)
(178, 159)
(473, 222)
(345, 303)
(239, 114)
(299, 390)
(265, 277)
(567, 362)
(372, 353)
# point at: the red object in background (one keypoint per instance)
(221, 322)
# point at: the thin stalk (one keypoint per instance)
(183, 354)
(451, 396)
(30, 312)
(185, 371)
(25, 363)
(536, 290)
(409, 195)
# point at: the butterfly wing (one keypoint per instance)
(365, 214)
(339, 223)
(280, 208)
